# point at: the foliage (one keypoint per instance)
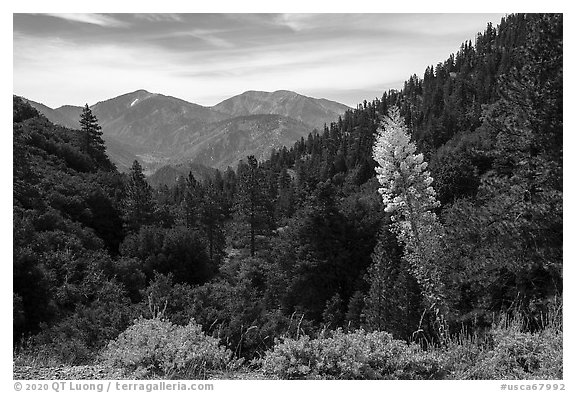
(77, 338)
(65, 221)
(92, 134)
(507, 351)
(519, 355)
(156, 346)
(252, 206)
(234, 309)
(177, 250)
(394, 300)
(138, 205)
(509, 237)
(172, 301)
(355, 355)
(323, 251)
(203, 209)
(333, 314)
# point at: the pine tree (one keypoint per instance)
(228, 191)
(93, 144)
(179, 190)
(251, 205)
(211, 219)
(138, 206)
(354, 315)
(381, 277)
(192, 200)
(393, 302)
(285, 200)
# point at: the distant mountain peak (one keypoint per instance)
(128, 98)
(290, 92)
(65, 107)
(262, 93)
(312, 111)
(139, 92)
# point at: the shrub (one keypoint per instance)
(35, 352)
(157, 346)
(461, 353)
(77, 338)
(356, 355)
(179, 250)
(508, 351)
(520, 355)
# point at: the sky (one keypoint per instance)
(205, 58)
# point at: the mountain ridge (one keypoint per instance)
(313, 111)
(159, 129)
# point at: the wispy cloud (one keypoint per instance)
(208, 36)
(93, 19)
(159, 17)
(296, 22)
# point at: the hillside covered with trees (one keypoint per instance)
(418, 237)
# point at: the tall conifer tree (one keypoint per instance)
(93, 144)
(138, 206)
(251, 206)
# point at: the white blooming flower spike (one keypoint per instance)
(407, 193)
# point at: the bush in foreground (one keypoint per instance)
(506, 352)
(356, 355)
(156, 346)
(509, 353)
